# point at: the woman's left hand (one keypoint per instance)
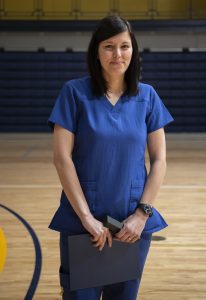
(133, 227)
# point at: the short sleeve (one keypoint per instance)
(157, 115)
(64, 112)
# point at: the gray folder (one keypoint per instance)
(90, 267)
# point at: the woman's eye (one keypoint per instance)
(108, 47)
(125, 46)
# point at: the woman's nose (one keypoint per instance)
(117, 52)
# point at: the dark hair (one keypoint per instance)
(108, 27)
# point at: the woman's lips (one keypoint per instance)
(116, 62)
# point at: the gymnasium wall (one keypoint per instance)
(78, 41)
(91, 9)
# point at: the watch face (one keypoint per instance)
(147, 209)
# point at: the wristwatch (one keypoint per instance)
(146, 208)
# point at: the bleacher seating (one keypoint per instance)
(179, 78)
(30, 82)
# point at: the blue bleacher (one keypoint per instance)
(30, 83)
(179, 78)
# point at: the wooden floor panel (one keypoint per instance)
(176, 265)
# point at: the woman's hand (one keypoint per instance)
(133, 227)
(99, 233)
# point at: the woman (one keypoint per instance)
(102, 124)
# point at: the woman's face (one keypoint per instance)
(115, 54)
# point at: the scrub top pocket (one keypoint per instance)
(137, 188)
(89, 190)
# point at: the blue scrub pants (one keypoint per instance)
(127, 290)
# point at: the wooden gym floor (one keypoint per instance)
(29, 195)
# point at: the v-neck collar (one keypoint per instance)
(110, 103)
(113, 107)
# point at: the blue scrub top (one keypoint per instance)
(109, 150)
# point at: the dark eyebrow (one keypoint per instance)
(110, 42)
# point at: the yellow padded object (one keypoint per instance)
(3, 249)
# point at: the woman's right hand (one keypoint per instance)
(98, 232)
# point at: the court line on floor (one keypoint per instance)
(38, 254)
(44, 186)
(182, 186)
